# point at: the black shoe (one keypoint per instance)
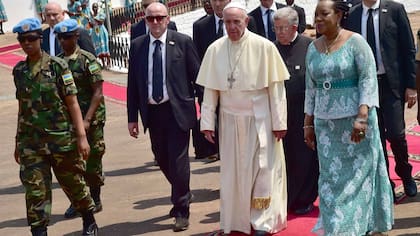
(304, 210)
(181, 224)
(91, 230)
(98, 207)
(410, 187)
(260, 233)
(71, 212)
(40, 231)
(172, 211)
(205, 156)
(213, 158)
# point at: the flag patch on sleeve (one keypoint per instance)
(68, 78)
(93, 68)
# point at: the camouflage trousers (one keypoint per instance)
(36, 177)
(94, 173)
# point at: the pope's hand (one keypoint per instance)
(279, 134)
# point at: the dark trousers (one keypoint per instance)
(392, 128)
(202, 147)
(302, 166)
(170, 147)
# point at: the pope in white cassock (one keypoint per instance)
(244, 74)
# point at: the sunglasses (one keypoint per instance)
(64, 36)
(29, 38)
(152, 19)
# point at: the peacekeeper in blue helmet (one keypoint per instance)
(50, 132)
(88, 79)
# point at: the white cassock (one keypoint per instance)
(246, 78)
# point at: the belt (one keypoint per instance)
(337, 84)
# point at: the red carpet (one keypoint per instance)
(112, 91)
(9, 48)
(10, 59)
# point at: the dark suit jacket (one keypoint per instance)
(182, 65)
(302, 18)
(204, 33)
(84, 42)
(259, 23)
(396, 44)
(139, 28)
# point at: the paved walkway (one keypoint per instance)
(136, 195)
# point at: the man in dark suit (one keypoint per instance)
(301, 14)
(140, 28)
(54, 14)
(163, 66)
(263, 18)
(301, 161)
(385, 25)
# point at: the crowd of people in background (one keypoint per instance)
(291, 118)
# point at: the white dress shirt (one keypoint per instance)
(52, 42)
(216, 21)
(162, 39)
(264, 15)
(375, 15)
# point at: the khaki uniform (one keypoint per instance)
(45, 137)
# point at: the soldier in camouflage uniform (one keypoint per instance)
(50, 132)
(87, 76)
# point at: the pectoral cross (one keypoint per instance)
(231, 80)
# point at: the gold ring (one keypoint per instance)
(361, 134)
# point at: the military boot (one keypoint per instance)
(90, 228)
(95, 193)
(40, 231)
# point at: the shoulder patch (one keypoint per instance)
(67, 78)
(87, 54)
(94, 68)
(60, 61)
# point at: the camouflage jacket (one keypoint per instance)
(44, 123)
(86, 71)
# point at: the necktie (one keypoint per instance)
(370, 33)
(270, 33)
(220, 29)
(157, 92)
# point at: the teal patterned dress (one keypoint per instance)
(354, 190)
(3, 16)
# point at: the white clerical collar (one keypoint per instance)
(374, 6)
(162, 38)
(264, 9)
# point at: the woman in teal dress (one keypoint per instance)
(3, 16)
(341, 98)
